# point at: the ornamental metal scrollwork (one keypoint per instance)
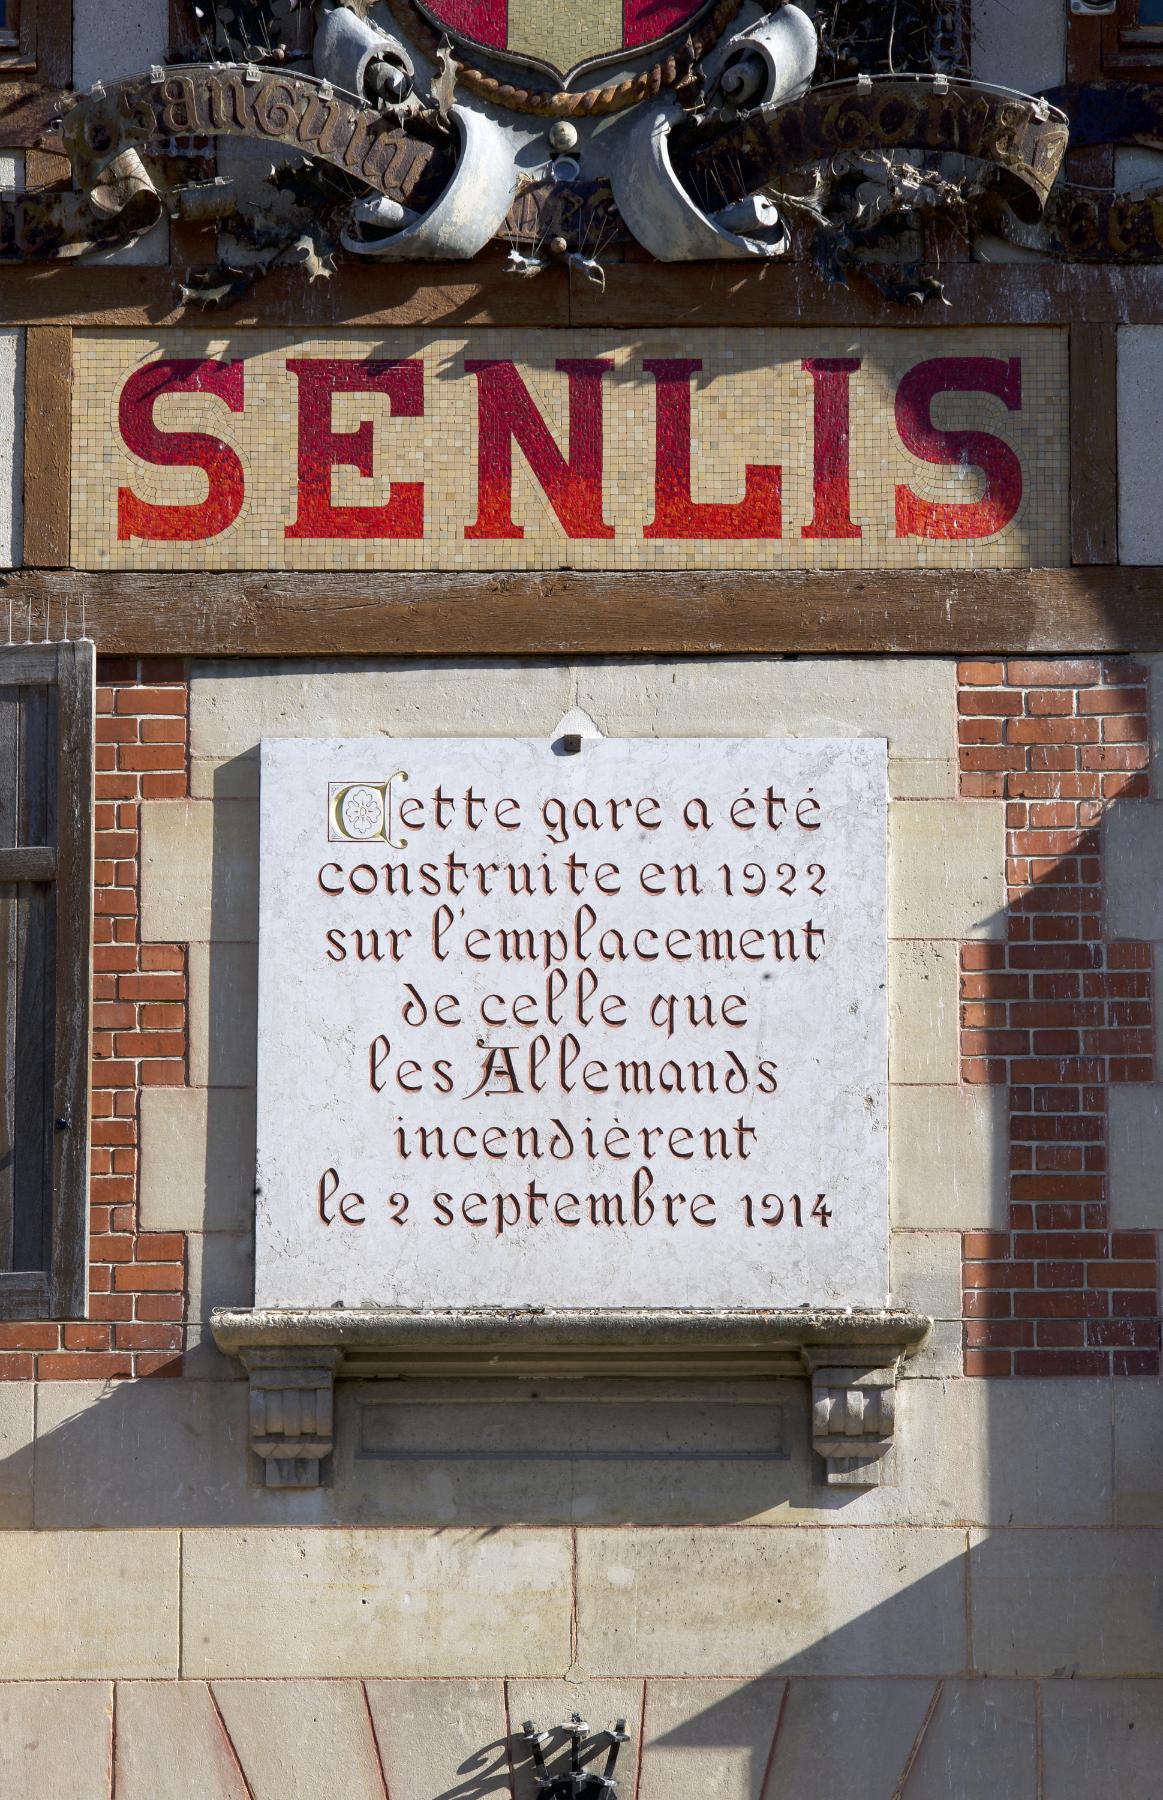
(743, 131)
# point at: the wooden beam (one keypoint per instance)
(28, 111)
(48, 397)
(975, 294)
(23, 1296)
(73, 1000)
(28, 864)
(1094, 458)
(458, 296)
(54, 42)
(564, 613)
(44, 168)
(29, 663)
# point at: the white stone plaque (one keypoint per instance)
(605, 1029)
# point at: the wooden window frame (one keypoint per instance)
(41, 45)
(59, 1289)
(1116, 46)
(11, 37)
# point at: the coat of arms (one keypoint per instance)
(563, 42)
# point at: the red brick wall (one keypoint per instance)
(1056, 1015)
(137, 1279)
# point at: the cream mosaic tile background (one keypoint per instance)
(752, 404)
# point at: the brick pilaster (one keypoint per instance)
(1057, 1015)
(137, 1279)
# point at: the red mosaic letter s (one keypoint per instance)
(322, 449)
(998, 463)
(180, 449)
(573, 483)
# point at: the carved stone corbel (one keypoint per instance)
(853, 1418)
(293, 1354)
(292, 1427)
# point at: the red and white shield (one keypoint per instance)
(562, 38)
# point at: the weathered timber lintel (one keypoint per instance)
(458, 295)
(292, 1356)
(1101, 609)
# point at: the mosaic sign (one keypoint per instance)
(572, 1030)
(500, 450)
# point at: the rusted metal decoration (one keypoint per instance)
(1087, 224)
(119, 141)
(271, 106)
(1018, 142)
(430, 139)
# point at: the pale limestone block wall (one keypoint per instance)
(17, 1430)
(1133, 848)
(11, 456)
(1140, 404)
(1020, 43)
(308, 1740)
(56, 1738)
(172, 1455)
(95, 1604)
(660, 1551)
(163, 1725)
(112, 43)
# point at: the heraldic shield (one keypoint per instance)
(562, 40)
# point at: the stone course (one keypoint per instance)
(767, 1739)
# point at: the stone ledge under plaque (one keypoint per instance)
(293, 1354)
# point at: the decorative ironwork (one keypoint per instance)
(1018, 142)
(412, 158)
(577, 1782)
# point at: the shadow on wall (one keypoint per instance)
(959, 1646)
(776, 1738)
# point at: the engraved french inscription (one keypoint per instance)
(572, 1030)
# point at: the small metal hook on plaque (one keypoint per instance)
(578, 1782)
